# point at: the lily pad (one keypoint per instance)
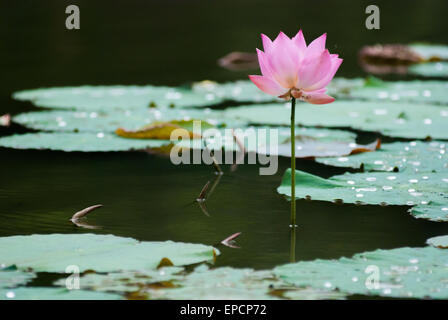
(430, 51)
(82, 142)
(240, 91)
(202, 283)
(93, 98)
(425, 193)
(13, 278)
(309, 141)
(126, 281)
(222, 284)
(246, 91)
(414, 156)
(307, 147)
(402, 120)
(402, 273)
(48, 293)
(54, 252)
(163, 130)
(404, 91)
(431, 69)
(438, 242)
(108, 121)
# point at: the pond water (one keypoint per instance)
(145, 196)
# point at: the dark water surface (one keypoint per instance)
(174, 43)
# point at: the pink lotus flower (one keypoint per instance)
(291, 68)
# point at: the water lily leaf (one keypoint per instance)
(424, 192)
(390, 119)
(415, 156)
(307, 147)
(14, 278)
(95, 98)
(246, 91)
(241, 91)
(48, 293)
(431, 69)
(221, 284)
(404, 91)
(54, 252)
(202, 283)
(430, 51)
(126, 281)
(402, 273)
(108, 121)
(162, 130)
(310, 142)
(83, 142)
(438, 242)
(309, 293)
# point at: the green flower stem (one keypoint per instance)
(292, 253)
(293, 163)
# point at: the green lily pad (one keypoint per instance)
(309, 293)
(415, 156)
(404, 91)
(240, 91)
(310, 142)
(115, 97)
(48, 293)
(403, 273)
(431, 69)
(425, 193)
(246, 91)
(126, 281)
(83, 142)
(54, 252)
(438, 242)
(430, 51)
(402, 120)
(109, 121)
(222, 284)
(202, 283)
(14, 278)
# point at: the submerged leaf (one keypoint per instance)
(108, 121)
(308, 147)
